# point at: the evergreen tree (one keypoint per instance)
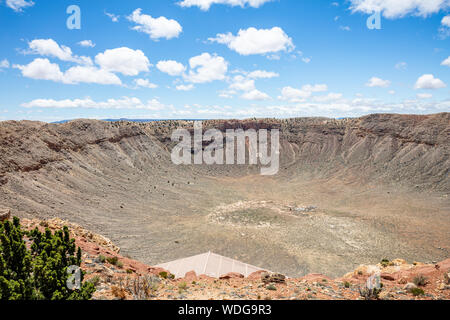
(39, 272)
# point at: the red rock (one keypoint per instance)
(256, 275)
(232, 275)
(190, 276)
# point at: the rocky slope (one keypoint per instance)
(128, 279)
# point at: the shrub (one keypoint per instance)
(102, 258)
(182, 285)
(119, 292)
(38, 273)
(385, 263)
(163, 274)
(347, 284)
(271, 287)
(420, 280)
(112, 260)
(95, 280)
(417, 292)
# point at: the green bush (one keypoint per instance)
(112, 260)
(38, 272)
(417, 292)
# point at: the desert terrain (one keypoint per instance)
(349, 192)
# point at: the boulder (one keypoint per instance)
(232, 275)
(5, 214)
(273, 278)
(409, 287)
(257, 275)
(190, 276)
(447, 277)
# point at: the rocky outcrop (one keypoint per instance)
(5, 214)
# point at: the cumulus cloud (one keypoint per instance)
(446, 62)
(298, 95)
(50, 48)
(255, 95)
(89, 74)
(397, 9)
(88, 103)
(43, 69)
(377, 82)
(87, 43)
(206, 4)
(156, 28)
(19, 5)
(145, 83)
(124, 60)
(207, 68)
(256, 41)
(171, 67)
(428, 81)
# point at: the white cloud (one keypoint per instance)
(155, 27)
(241, 83)
(4, 64)
(124, 60)
(18, 5)
(298, 95)
(123, 103)
(145, 83)
(401, 65)
(171, 67)
(256, 41)
(207, 68)
(398, 9)
(50, 48)
(43, 69)
(428, 81)
(306, 60)
(87, 43)
(345, 28)
(262, 74)
(377, 82)
(255, 95)
(392, 92)
(88, 74)
(113, 17)
(183, 87)
(446, 21)
(315, 88)
(328, 98)
(424, 96)
(446, 62)
(206, 4)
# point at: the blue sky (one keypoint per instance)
(201, 59)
